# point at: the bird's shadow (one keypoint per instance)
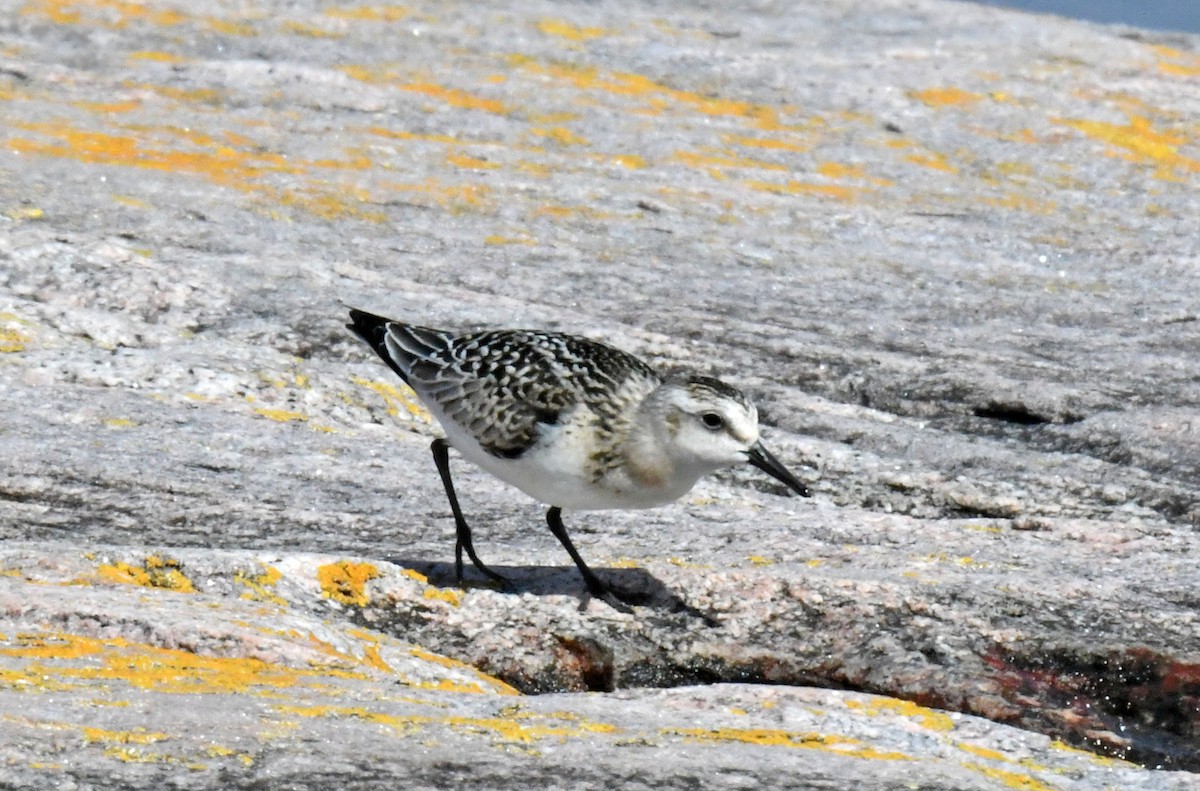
(636, 587)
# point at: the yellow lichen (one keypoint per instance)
(946, 97)
(345, 581)
(1022, 782)
(556, 27)
(927, 717)
(260, 585)
(504, 728)
(487, 683)
(136, 736)
(1140, 141)
(983, 752)
(158, 572)
(396, 397)
(164, 670)
(281, 415)
(771, 737)
(12, 341)
(469, 163)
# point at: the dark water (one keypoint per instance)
(1182, 15)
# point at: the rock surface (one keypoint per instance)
(236, 669)
(951, 250)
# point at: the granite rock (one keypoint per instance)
(951, 251)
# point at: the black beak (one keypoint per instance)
(761, 458)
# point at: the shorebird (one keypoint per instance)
(573, 423)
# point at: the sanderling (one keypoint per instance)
(573, 423)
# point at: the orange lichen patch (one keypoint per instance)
(836, 170)
(450, 96)
(165, 670)
(371, 655)
(260, 586)
(401, 725)
(556, 27)
(231, 27)
(507, 729)
(281, 415)
(371, 13)
(1176, 62)
(560, 212)
(1139, 141)
(156, 56)
(926, 717)
(1099, 760)
(242, 165)
(413, 574)
(1017, 780)
(805, 188)
(396, 397)
(52, 646)
(1020, 202)
(499, 239)
(983, 752)
(383, 132)
(778, 738)
(312, 31)
(1011, 169)
(486, 683)
(217, 751)
(552, 119)
(108, 107)
(327, 201)
(12, 341)
(159, 572)
(631, 161)
(764, 142)
(346, 582)
(946, 97)
(932, 161)
(658, 96)
(469, 162)
(538, 169)
(115, 14)
(714, 162)
(136, 736)
(561, 135)
(455, 198)
(220, 164)
(448, 595)
(433, 592)
(209, 96)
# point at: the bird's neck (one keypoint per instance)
(648, 458)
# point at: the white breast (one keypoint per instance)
(559, 470)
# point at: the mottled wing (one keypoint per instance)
(504, 385)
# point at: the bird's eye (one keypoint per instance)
(712, 420)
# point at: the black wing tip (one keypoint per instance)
(367, 326)
(363, 319)
(373, 330)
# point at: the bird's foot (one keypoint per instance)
(619, 599)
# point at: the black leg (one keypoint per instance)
(594, 584)
(441, 457)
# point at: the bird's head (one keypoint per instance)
(704, 425)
